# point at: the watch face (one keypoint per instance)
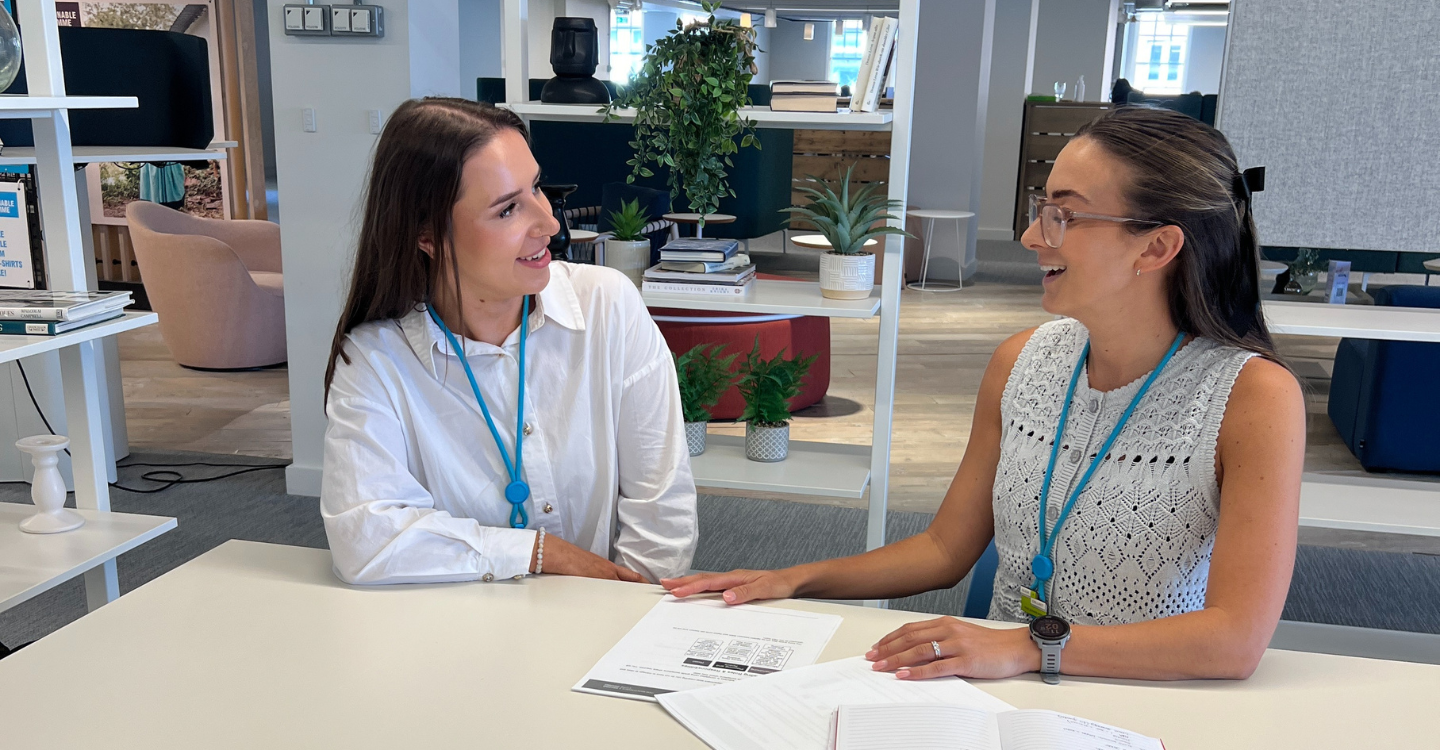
(1050, 628)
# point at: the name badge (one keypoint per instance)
(1031, 605)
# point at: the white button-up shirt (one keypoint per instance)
(413, 484)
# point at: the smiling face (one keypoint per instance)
(501, 223)
(1094, 267)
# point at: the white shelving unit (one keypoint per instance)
(813, 468)
(20, 155)
(67, 263)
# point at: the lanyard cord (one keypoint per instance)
(1044, 570)
(516, 492)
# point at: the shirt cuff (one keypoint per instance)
(509, 552)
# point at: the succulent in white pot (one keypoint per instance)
(703, 376)
(767, 386)
(846, 220)
(626, 249)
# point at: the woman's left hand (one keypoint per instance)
(966, 650)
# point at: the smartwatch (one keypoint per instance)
(1050, 633)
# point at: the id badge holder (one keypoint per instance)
(1031, 604)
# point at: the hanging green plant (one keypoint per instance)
(687, 96)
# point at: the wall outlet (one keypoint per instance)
(307, 120)
(374, 117)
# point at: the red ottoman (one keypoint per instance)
(798, 335)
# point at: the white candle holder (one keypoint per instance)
(47, 489)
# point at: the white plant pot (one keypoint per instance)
(767, 443)
(847, 276)
(630, 257)
(695, 437)
(47, 488)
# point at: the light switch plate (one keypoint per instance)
(360, 20)
(307, 20)
(339, 19)
(307, 120)
(374, 121)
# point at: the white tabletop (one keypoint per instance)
(582, 236)
(818, 241)
(689, 218)
(254, 645)
(1357, 321)
(31, 564)
(938, 213)
(1432, 265)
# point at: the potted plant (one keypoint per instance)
(704, 377)
(1304, 271)
(687, 96)
(767, 386)
(847, 220)
(627, 249)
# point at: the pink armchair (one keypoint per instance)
(217, 286)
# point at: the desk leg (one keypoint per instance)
(80, 370)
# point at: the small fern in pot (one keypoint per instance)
(703, 376)
(767, 386)
(847, 220)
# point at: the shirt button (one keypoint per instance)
(1094, 405)
(1075, 457)
(488, 577)
(549, 508)
(529, 428)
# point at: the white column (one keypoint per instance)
(517, 50)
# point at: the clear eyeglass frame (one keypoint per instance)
(1053, 219)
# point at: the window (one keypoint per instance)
(1162, 50)
(627, 44)
(846, 51)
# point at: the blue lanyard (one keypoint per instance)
(517, 491)
(1042, 565)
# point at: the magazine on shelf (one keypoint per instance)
(885, 51)
(53, 328)
(737, 276)
(803, 103)
(701, 290)
(736, 262)
(26, 304)
(824, 88)
(699, 249)
(862, 77)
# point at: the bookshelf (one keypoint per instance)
(830, 470)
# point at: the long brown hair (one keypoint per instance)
(414, 184)
(1185, 173)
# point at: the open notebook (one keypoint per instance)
(946, 726)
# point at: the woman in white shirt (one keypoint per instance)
(555, 447)
(1137, 462)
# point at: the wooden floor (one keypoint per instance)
(945, 342)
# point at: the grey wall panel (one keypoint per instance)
(1341, 102)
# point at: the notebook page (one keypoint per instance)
(793, 710)
(916, 726)
(1048, 730)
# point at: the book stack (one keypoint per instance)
(877, 68)
(43, 313)
(701, 267)
(804, 96)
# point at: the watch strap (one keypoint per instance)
(1050, 661)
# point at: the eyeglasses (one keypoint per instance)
(1053, 219)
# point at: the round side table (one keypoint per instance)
(818, 241)
(683, 218)
(1431, 266)
(930, 215)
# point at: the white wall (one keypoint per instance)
(321, 176)
(1207, 52)
(952, 85)
(480, 53)
(794, 59)
(1071, 39)
(1004, 112)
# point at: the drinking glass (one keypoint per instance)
(1060, 90)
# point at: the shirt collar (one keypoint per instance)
(557, 302)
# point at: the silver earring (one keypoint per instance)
(1137, 272)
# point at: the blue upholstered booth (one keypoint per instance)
(1383, 396)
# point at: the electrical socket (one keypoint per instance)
(307, 120)
(374, 121)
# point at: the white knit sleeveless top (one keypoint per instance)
(1137, 544)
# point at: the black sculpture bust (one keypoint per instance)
(574, 54)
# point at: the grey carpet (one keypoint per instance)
(1334, 586)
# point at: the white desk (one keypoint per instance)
(255, 645)
(31, 564)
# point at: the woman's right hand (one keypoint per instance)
(739, 585)
(564, 558)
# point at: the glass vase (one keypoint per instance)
(10, 53)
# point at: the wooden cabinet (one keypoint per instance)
(1047, 127)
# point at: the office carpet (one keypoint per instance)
(1331, 585)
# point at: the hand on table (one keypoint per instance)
(564, 558)
(739, 585)
(966, 650)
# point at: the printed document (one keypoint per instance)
(907, 726)
(694, 643)
(795, 710)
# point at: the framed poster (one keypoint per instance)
(15, 262)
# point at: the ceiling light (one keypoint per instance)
(745, 21)
(809, 32)
(770, 20)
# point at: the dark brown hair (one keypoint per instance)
(414, 184)
(1184, 173)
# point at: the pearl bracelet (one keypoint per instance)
(540, 553)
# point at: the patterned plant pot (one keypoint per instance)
(767, 443)
(695, 437)
(630, 258)
(847, 276)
